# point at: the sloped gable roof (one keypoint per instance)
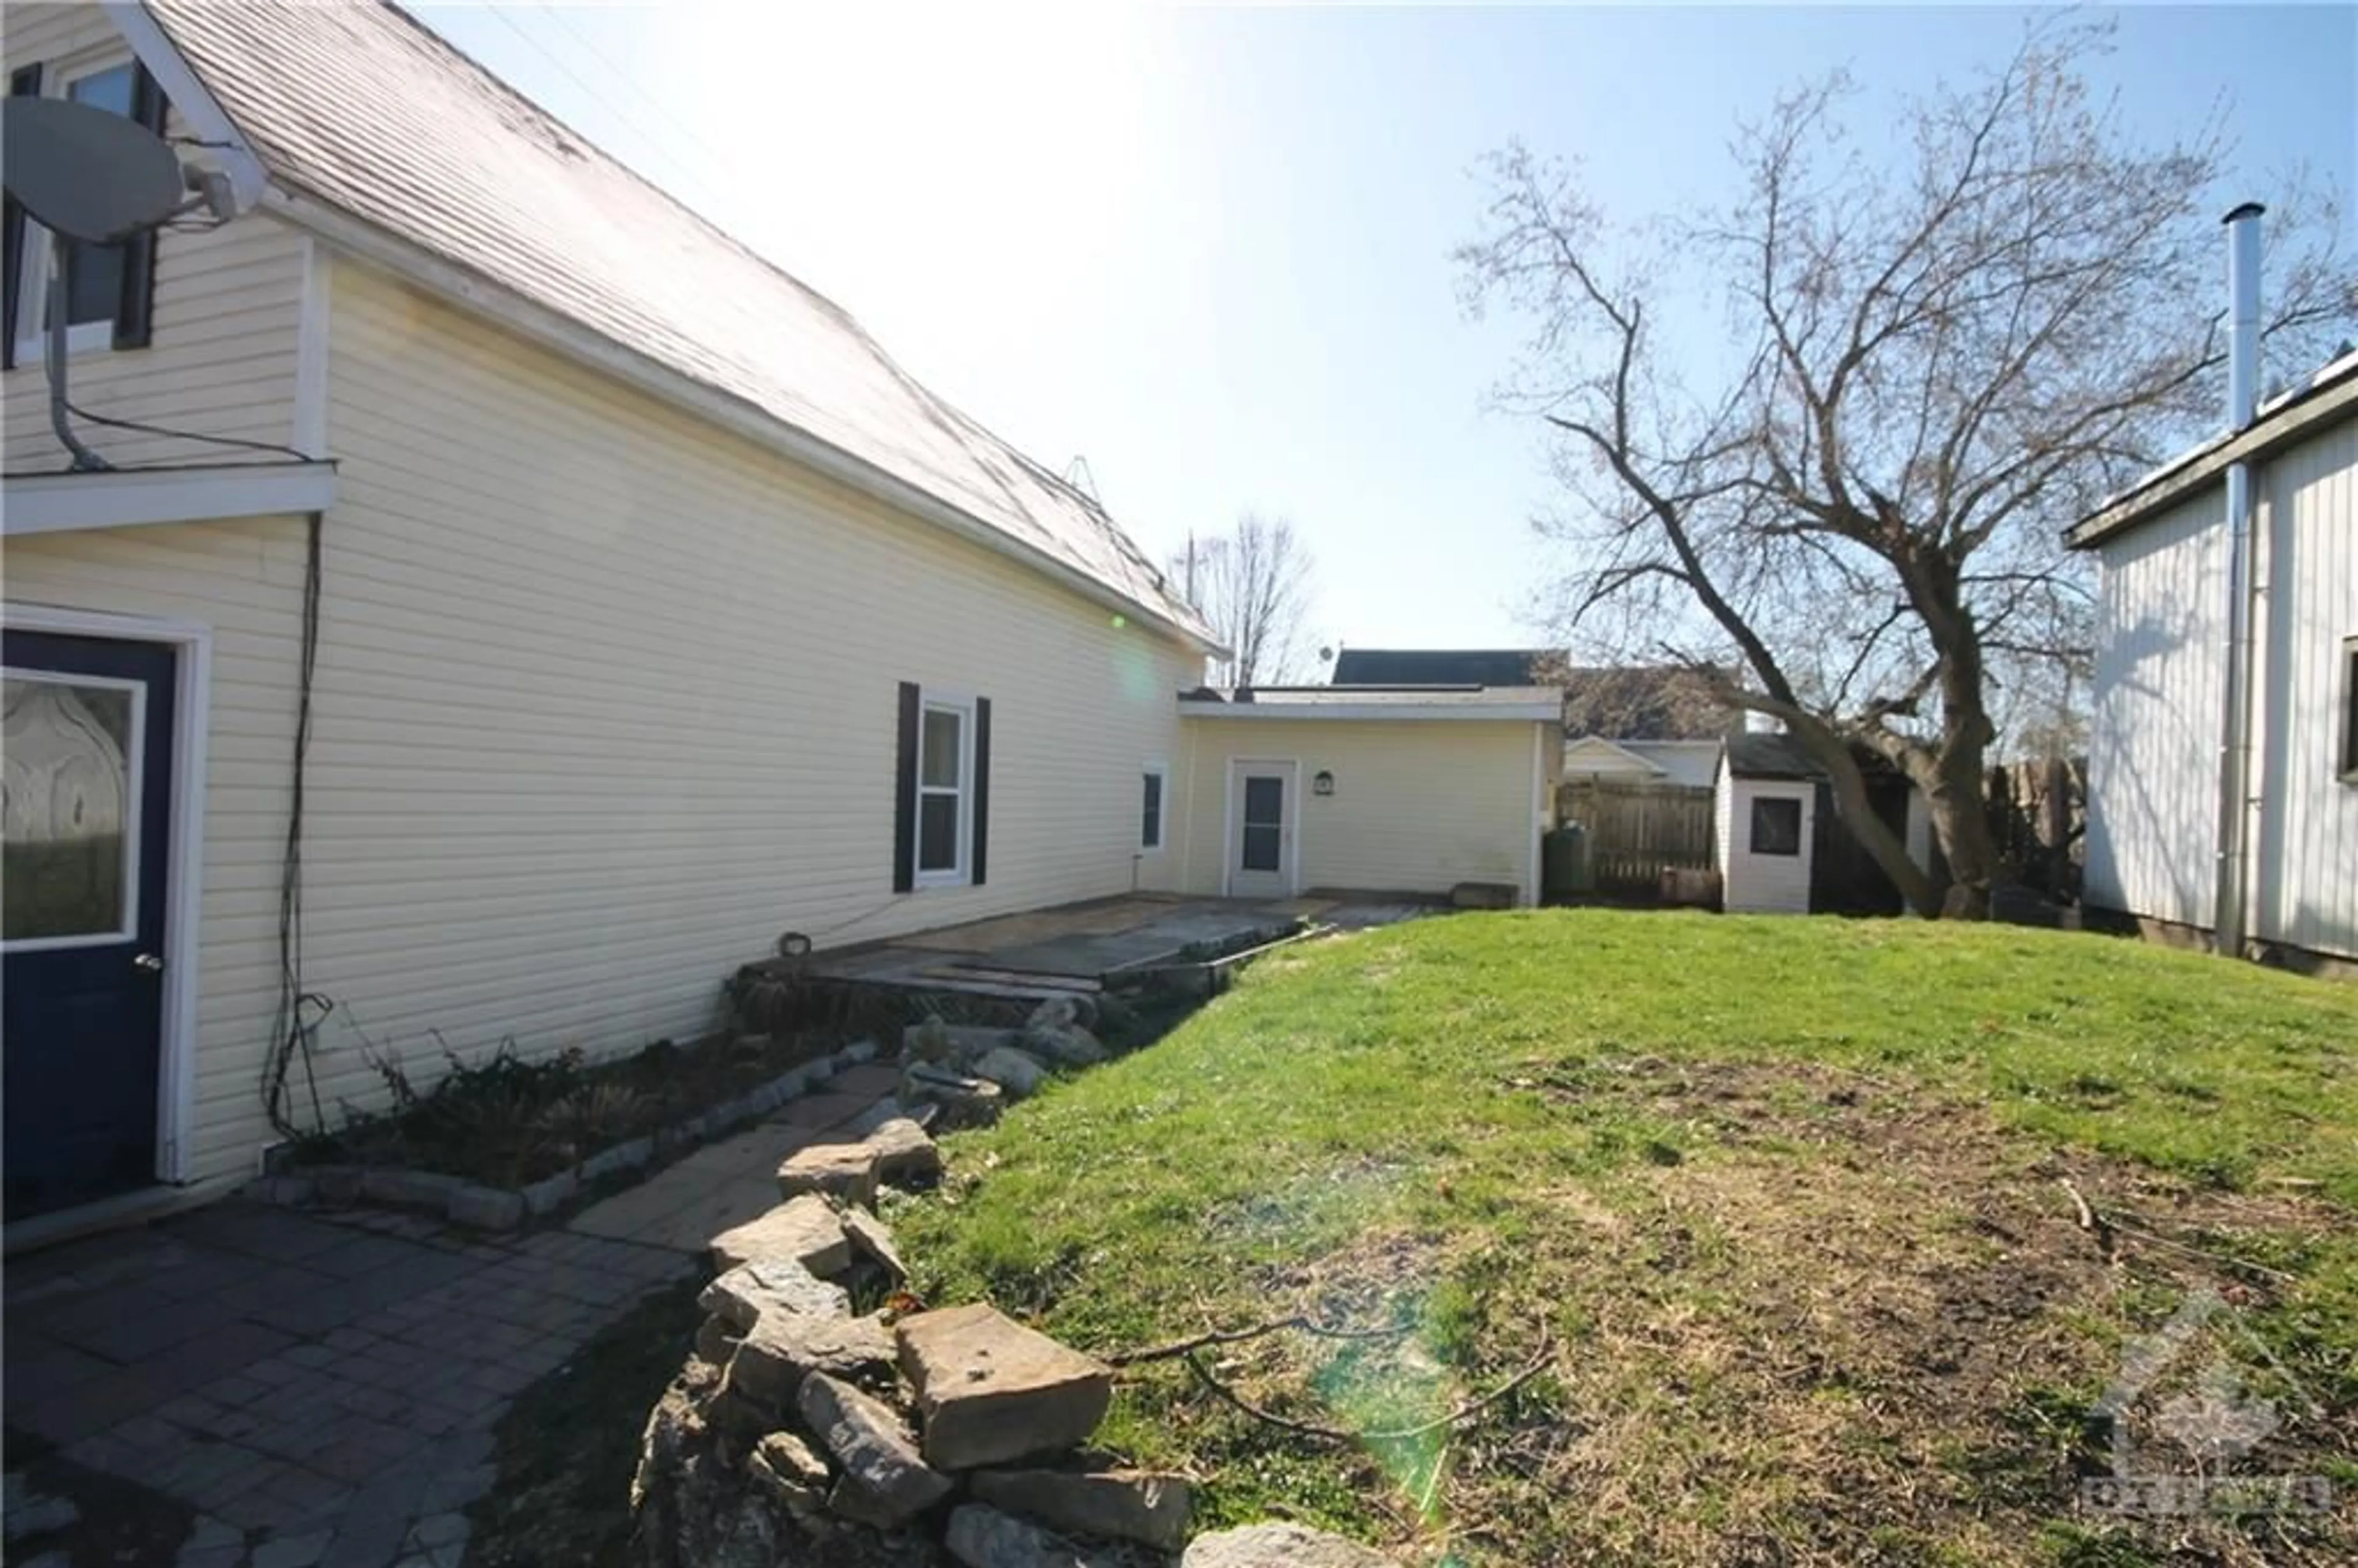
(356, 104)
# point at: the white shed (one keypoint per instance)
(1776, 856)
(1765, 818)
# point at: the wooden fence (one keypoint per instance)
(2039, 815)
(1637, 831)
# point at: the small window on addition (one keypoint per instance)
(1150, 826)
(2348, 758)
(1776, 826)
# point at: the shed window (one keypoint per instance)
(1776, 825)
(2349, 758)
(1150, 826)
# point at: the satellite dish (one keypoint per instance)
(85, 172)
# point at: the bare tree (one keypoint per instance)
(1253, 584)
(1935, 360)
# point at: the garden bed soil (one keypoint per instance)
(508, 1123)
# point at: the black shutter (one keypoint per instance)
(981, 787)
(134, 317)
(23, 83)
(905, 793)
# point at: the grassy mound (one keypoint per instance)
(1789, 1210)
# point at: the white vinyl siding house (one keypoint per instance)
(609, 666)
(2159, 693)
(1690, 765)
(634, 681)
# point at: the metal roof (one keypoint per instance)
(2323, 400)
(357, 105)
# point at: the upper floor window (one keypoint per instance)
(108, 287)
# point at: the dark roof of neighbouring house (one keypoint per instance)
(1619, 702)
(1436, 666)
(2323, 401)
(359, 106)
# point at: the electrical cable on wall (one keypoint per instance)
(291, 1032)
(238, 442)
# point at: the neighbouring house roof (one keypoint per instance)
(355, 105)
(1537, 703)
(1437, 667)
(1624, 702)
(2323, 401)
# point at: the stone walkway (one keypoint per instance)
(303, 1391)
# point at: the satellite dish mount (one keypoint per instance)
(90, 176)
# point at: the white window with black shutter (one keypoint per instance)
(109, 290)
(941, 794)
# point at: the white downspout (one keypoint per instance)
(2236, 718)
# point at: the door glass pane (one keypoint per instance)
(1265, 801)
(939, 762)
(68, 799)
(1260, 846)
(937, 817)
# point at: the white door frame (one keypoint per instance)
(183, 876)
(1238, 766)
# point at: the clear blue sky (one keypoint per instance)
(1210, 249)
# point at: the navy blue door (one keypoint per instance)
(86, 757)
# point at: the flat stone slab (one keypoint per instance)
(1015, 1072)
(784, 1347)
(1130, 1505)
(1280, 1546)
(870, 1239)
(983, 1536)
(906, 1155)
(884, 1481)
(846, 1171)
(1070, 1045)
(802, 1231)
(784, 1466)
(771, 1284)
(989, 1389)
(964, 1101)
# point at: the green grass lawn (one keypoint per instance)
(1785, 1206)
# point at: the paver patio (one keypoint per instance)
(307, 1391)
